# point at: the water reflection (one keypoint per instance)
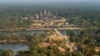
(14, 47)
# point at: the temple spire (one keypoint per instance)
(45, 12)
(37, 16)
(41, 13)
(49, 14)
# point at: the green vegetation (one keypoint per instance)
(87, 38)
(52, 50)
(12, 18)
(6, 53)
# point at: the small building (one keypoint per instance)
(97, 49)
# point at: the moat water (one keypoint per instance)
(14, 47)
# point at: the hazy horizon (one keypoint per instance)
(45, 1)
(51, 2)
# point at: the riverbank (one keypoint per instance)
(41, 29)
(13, 41)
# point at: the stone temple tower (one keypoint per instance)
(41, 14)
(49, 14)
(37, 16)
(45, 12)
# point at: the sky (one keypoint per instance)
(39, 2)
(43, 1)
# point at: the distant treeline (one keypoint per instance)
(11, 16)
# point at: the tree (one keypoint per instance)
(1, 52)
(8, 53)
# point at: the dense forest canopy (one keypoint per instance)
(78, 15)
(87, 17)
